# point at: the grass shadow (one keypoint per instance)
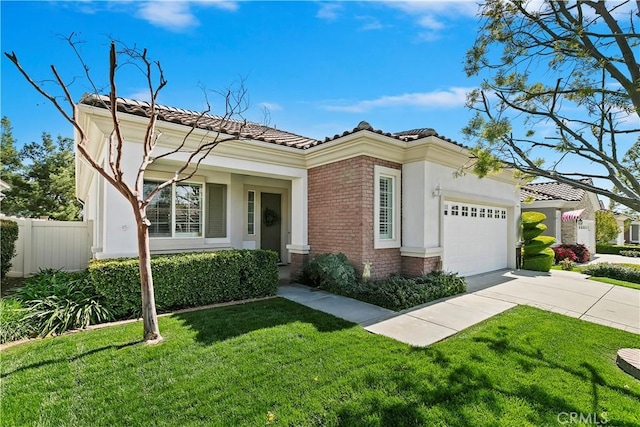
(69, 359)
(223, 323)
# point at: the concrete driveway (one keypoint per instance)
(567, 293)
(563, 292)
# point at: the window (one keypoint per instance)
(465, 211)
(251, 212)
(175, 211)
(489, 213)
(188, 210)
(474, 212)
(446, 209)
(386, 207)
(216, 211)
(159, 210)
(386, 212)
(481, 212)
(504, 214)
(455, 210)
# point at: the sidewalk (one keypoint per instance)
(489, 294)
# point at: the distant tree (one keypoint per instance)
(11, 172)
(49, 170)
(41, 176)
(568, 68)
(132, 187)
(606, 227)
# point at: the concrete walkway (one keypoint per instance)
(562, 292)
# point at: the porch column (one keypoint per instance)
(299, 246)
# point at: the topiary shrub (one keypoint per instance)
(8, 237)
(534, 232)
(187, 280)
(331, 272)
(536, 252)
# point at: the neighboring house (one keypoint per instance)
(620, 220)
(3, 187)
(632, 235)
(570, 211)
(388, 200)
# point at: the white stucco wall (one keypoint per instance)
(427, 185)
(119, 229)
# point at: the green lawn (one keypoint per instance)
(616, 282)
(278, 363)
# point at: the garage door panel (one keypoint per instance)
(474, 242)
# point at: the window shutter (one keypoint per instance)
(216, 211)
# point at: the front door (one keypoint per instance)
(271, 223)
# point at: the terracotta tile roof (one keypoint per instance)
(405, 136)
(551, 191)
(208, 122)
(249, 130)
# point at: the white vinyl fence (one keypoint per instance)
(64, 245)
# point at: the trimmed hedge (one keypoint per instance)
(631, 253)
(615, 249)
(8, 237)
(399, 293)
(613, 271)
(187, 280)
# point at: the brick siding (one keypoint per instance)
(341, 214)
(413, 267)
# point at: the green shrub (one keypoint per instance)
(613, 271)
(542, 261)
(399, 293)
(531, 219)
(567, 264)
(13, 327)
(331, 272)
(56, 301)
(533, 232)
(187, 280)
(615, 249)
(8, 237)
(537, 244)
(631, 253)
(537, 254)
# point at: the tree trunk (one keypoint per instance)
(149, 315)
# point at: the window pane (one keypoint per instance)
(188, 210)
(159, 210)
(216, 211)
(251, 209)
(386, 208)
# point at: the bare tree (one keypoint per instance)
(111, 170)
(568, 68)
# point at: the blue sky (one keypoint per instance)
(319, 67)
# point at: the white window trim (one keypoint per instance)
(174, 235)
(395, 174)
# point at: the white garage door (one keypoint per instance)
(475, 238)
